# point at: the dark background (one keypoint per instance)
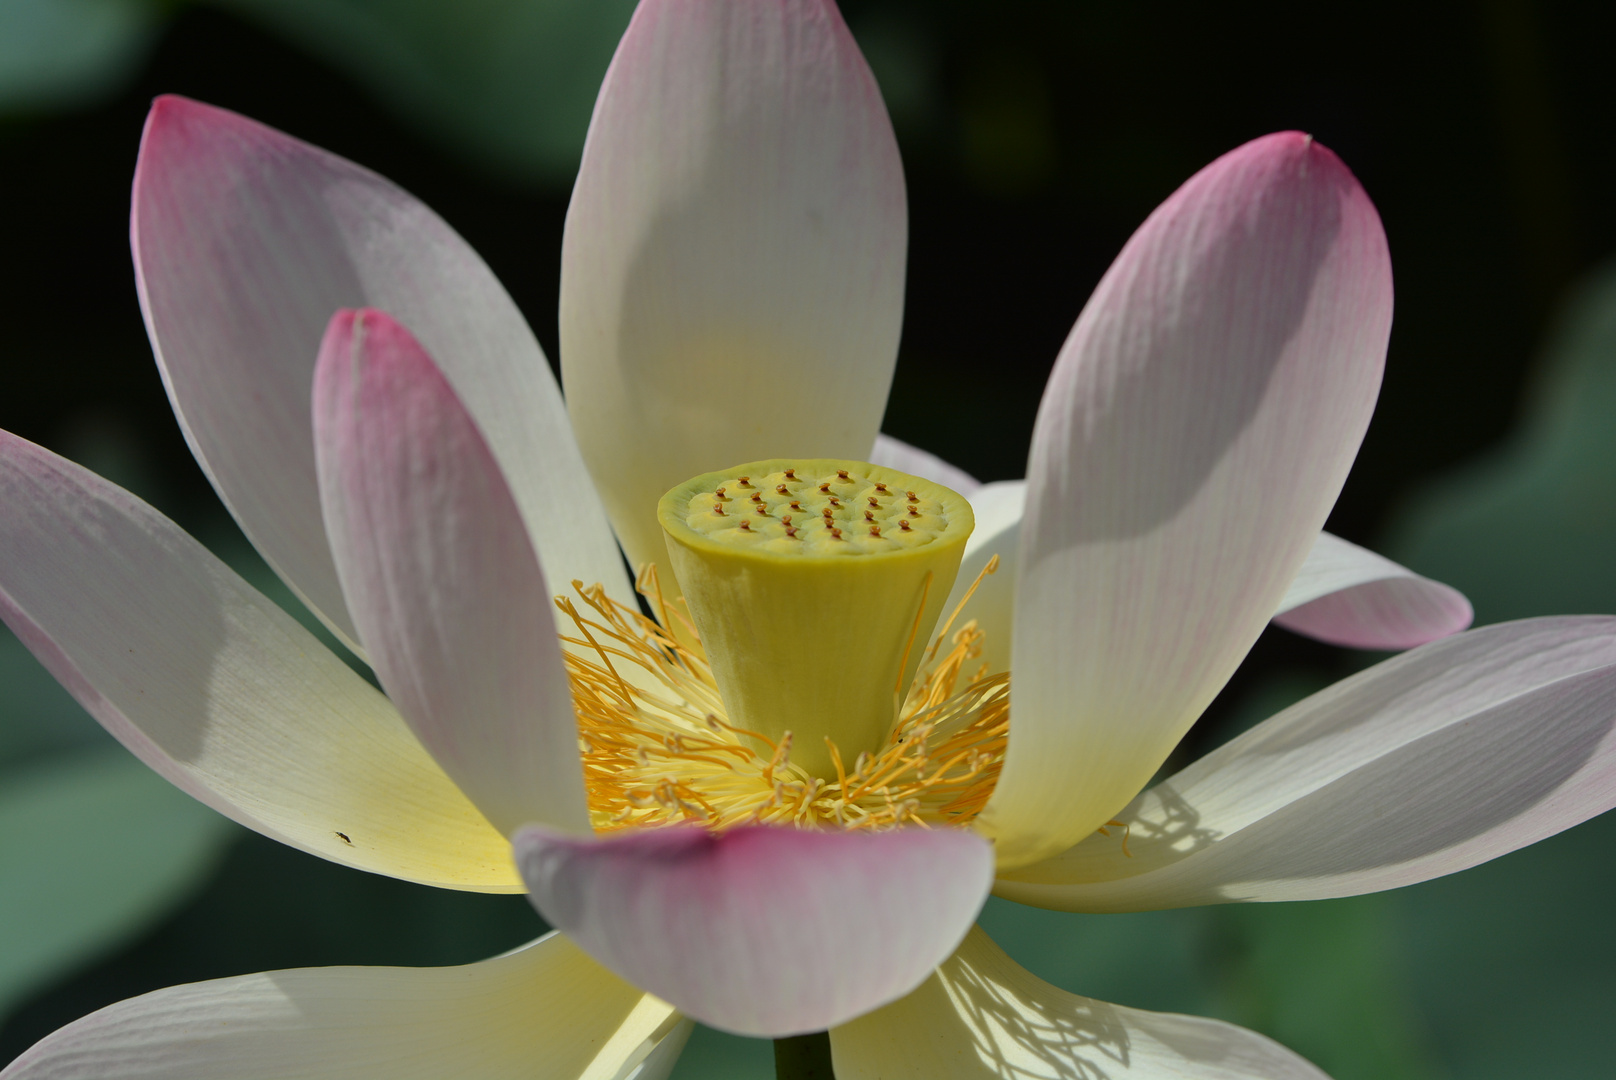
(1036, 137)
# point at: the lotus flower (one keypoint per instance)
(371, 407)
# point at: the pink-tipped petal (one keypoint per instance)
(763, 931)
(219, 690)
(984, 1017)
(440, 576)
(1431, 762)
(1195, 432)
(245, 241)
(544, 1012)
(897, 454)
(1348, 595)
(733, 267)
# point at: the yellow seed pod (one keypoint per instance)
(815, 585)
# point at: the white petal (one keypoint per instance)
(982, 1016)
(732, 272)
(763, 931)
(440, 578)
(215, 687)
(544, 1012)
(1348, 595)
(1436, 760)
(245, 243)
(1197, 427)
(897, 454)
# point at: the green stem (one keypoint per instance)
(803, 1057)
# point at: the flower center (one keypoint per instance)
(813, 586)
(658, 748)
(790, 681)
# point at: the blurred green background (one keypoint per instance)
(1036, 136)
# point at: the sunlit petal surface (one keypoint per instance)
(440, 577)
(1347, 595)
(763, 931)
(246, 241)
(733, 266)
(1431, 762)
(1195, 433)
(544, 1012)
(219, 690)
(982, 1016)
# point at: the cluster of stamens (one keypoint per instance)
(657, 747)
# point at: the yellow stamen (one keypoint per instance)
(659, 750)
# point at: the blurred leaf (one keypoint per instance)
(36, 715)
(717, 1055)
(63, 53)
(1531, 528)
(94, 846)
(511, 82)
(1512, 960)
(1147, 960)
(1329, 980)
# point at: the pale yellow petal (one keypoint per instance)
(219, 690)
(982, 1016)
(544, 1012)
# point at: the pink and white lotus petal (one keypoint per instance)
(733, 266)
(1196, 430)
(440, 577)
(981, 1016)
(245, 241)
(1343, 594)
(763, 931)
(1347, 595)
(543, 1011)
(897, 454)
(211, 684)
(1431, 762)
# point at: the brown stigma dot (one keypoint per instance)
(903, 523)
(746, 524)
(869, 515)
(744, 481)
(825, 487)
(912, 496)
(841, 474)
(875, 530)
(791, 474)
(882, 488)
(874, 502)
(780, 489)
